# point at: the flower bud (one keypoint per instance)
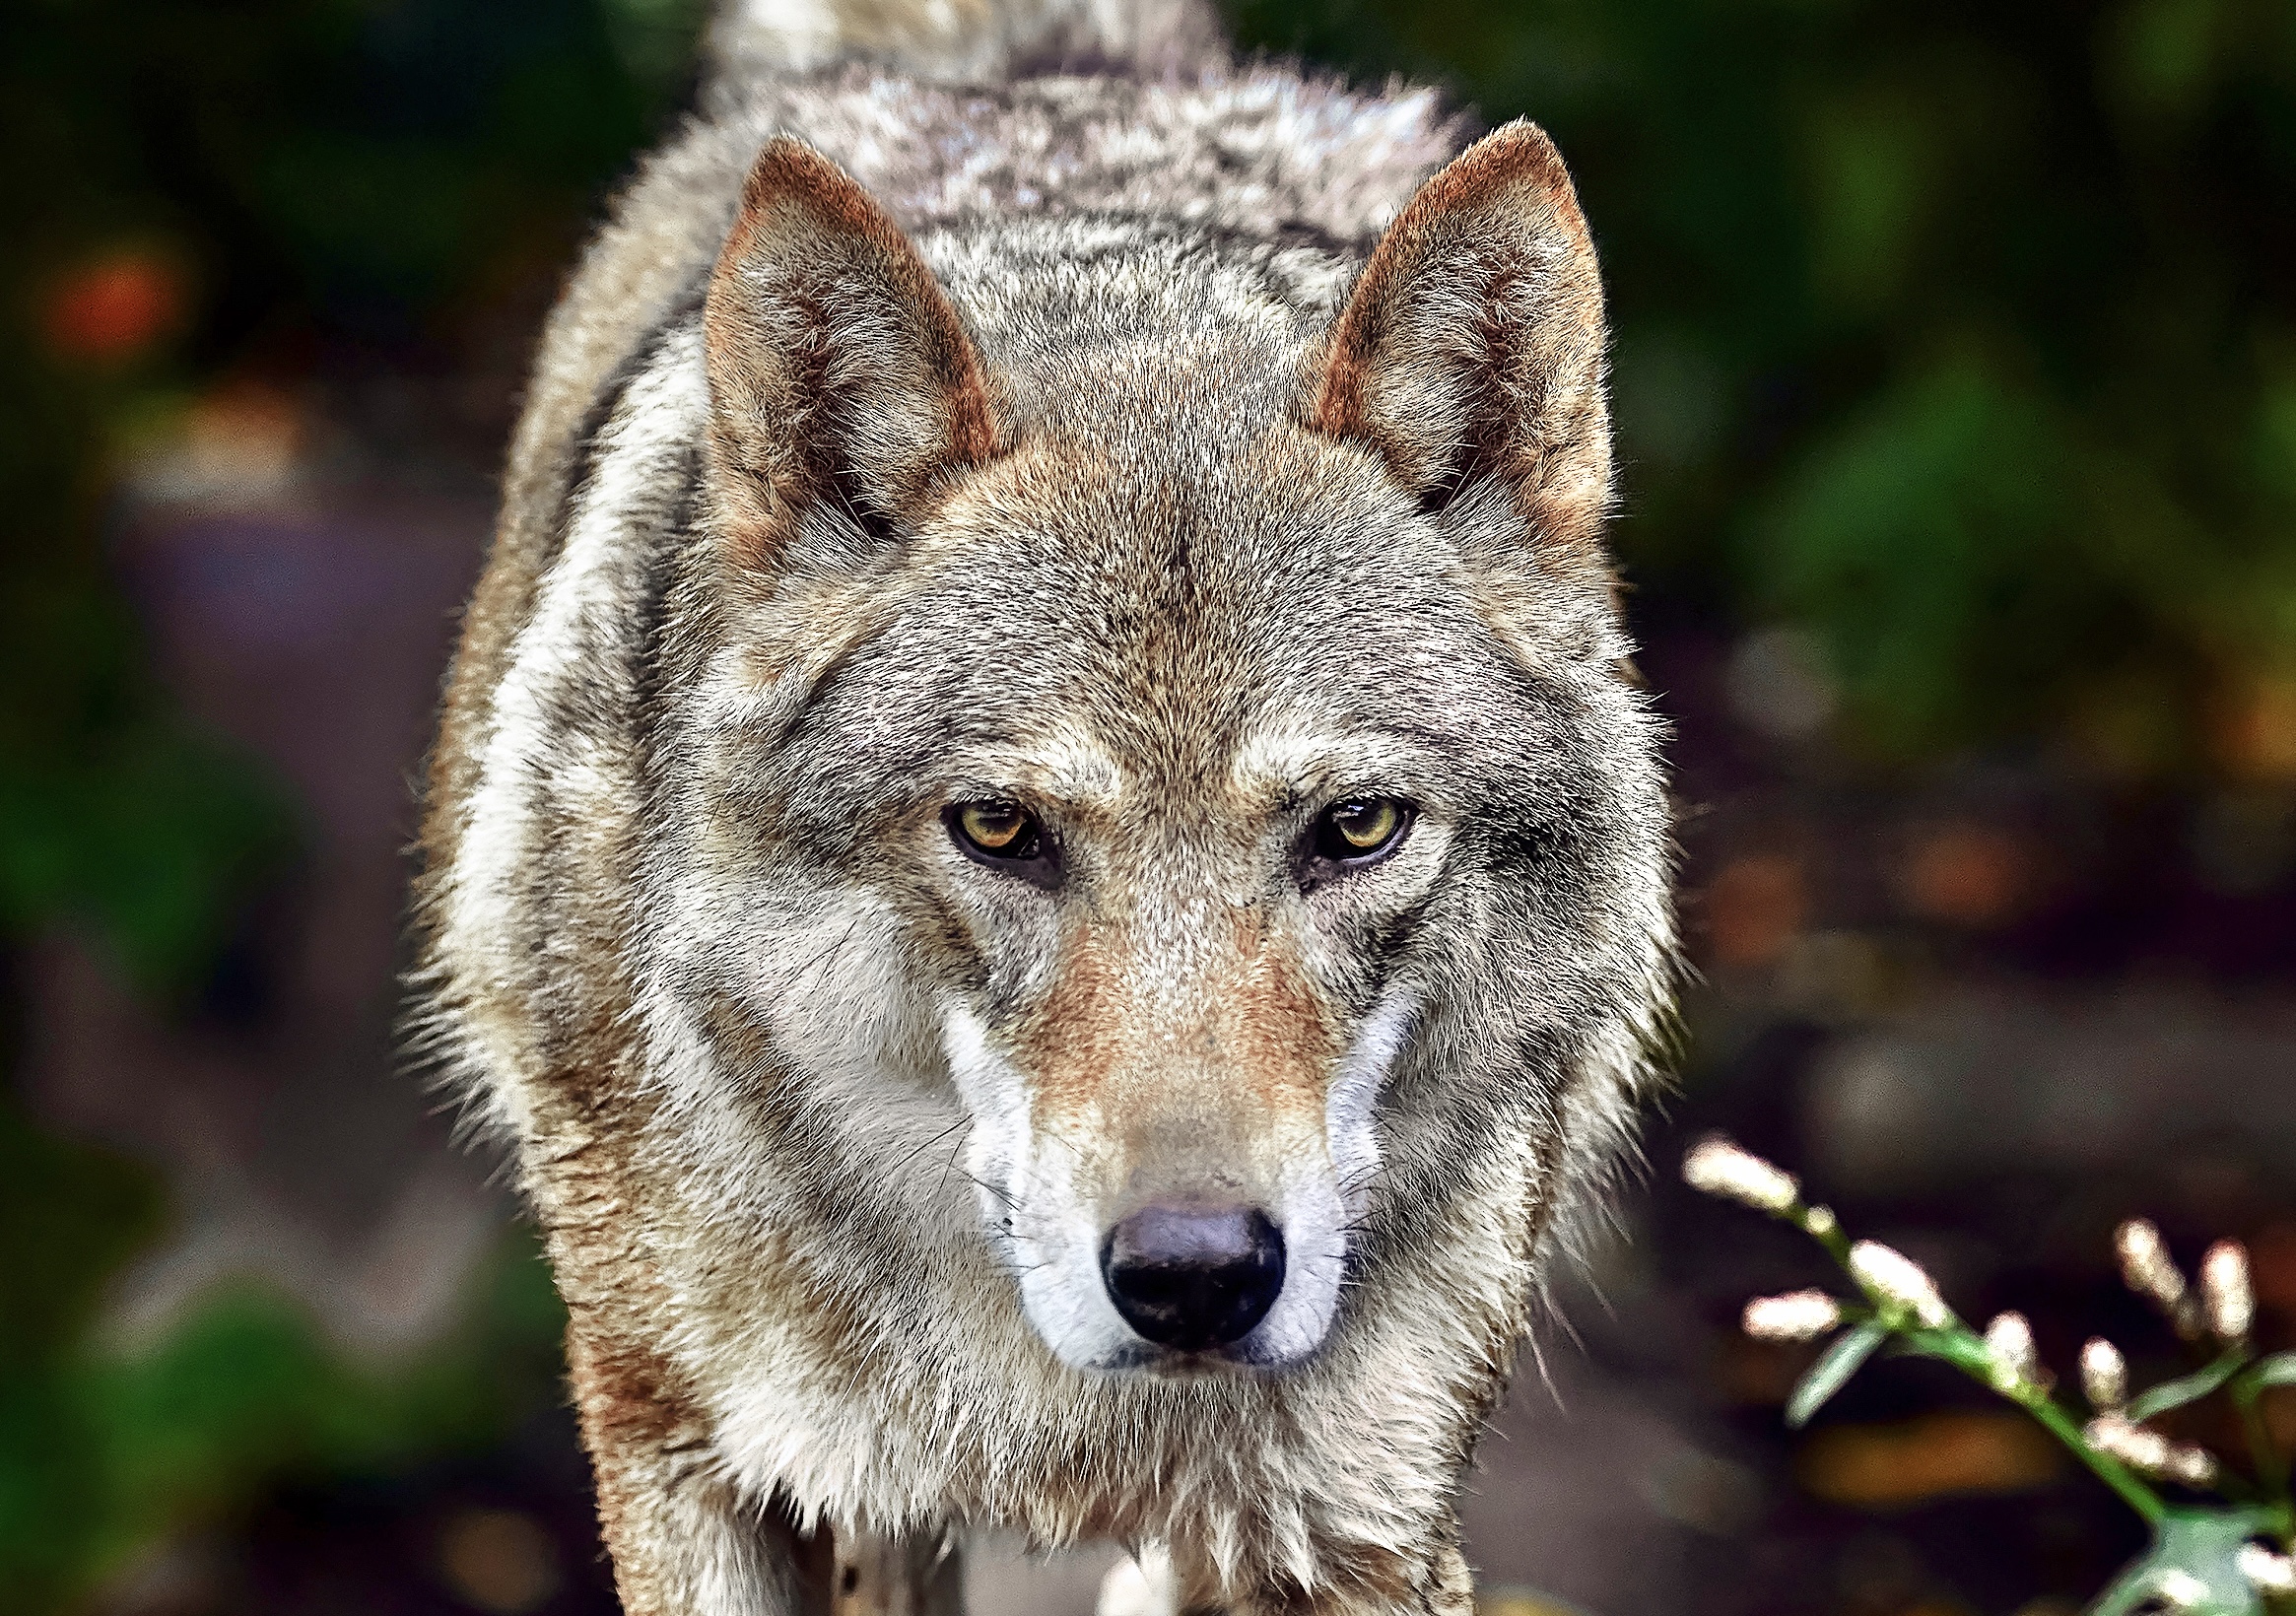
(1897, 1279)
(2008, 1342)
(1799, 1315)
(2146, 1266)
(2180, 1590)
(2148, 1450)
(2227, 1299)
(2191, 1465)
(1719, 1167)
(2104, 1376)
(2268, 1572)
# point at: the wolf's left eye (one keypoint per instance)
(1361, 829)
(1002, 835)
(995, 826)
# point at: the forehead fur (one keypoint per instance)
(1167, 578)
(1091, 320)
(1090, 599)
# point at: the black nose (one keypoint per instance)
(1191, 1277)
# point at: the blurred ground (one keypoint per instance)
(310, 634)
(1956, 381)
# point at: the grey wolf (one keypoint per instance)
(1043, 843)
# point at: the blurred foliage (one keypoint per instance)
(106, 1449)
(197, 189)
(196, 192)
(1961, 334)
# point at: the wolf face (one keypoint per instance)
(1190, 764)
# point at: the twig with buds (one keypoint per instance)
(1905, 1302)
(2191, 1563)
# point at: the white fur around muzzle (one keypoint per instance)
(1049, 1234)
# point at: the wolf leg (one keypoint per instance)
(1436, 1583)
(878, 1576)
(685, 1541)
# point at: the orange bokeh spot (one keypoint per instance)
(1938, 1455)
(1754, 908)
(115, 307)
(1967, 875)
(2256, 727)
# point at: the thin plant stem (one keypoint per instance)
(2110, 1470)
(2263, 1454)
(1828, 1234)
(1903, 1296)
(2271, 1469)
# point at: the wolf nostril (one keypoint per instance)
(1191, 1277)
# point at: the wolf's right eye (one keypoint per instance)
(1002, 835)
(1359, 831)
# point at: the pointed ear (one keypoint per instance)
(1473, 346)
(840, 376)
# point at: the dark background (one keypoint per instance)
(1956, 385)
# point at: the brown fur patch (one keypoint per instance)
(1279, 1022)
(1080, 1032)
(635, 1423)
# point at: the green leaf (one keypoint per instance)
(2279, 1369)
(2184, 1388)
(2201, 1545)
(1827, 1375)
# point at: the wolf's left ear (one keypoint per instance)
(839, 373)
(1473, 346)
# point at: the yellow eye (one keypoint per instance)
(1362, 828)
(997, 830)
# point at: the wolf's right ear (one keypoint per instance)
(1471, 348)
(839, 373)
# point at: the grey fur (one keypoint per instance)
(1148, 511)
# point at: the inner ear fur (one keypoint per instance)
(840, 375)
(1472, 348)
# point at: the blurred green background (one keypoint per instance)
(1958, 334)
(1956, 377)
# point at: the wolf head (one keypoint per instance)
(1171, 720)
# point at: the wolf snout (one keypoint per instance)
(1192, 1276)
